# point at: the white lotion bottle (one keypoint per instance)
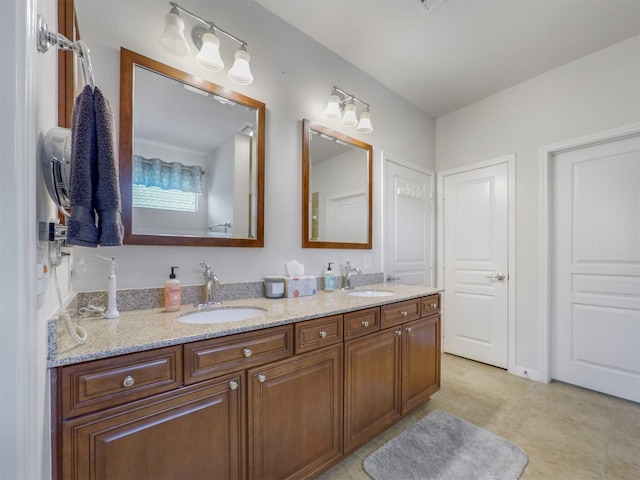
(172, 293)
(329, 279)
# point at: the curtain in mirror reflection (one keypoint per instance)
(154, 172)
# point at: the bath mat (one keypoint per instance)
(442, 446)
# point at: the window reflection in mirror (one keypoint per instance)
(337, 186)
(191, 159)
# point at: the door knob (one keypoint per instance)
(497, 276)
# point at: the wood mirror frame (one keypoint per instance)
(308, 129)
(130, 60)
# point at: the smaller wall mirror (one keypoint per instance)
(336, 189)
(191, 159)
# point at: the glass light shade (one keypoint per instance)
(172, 39)
(364, 126)
(333, 108)
(349, 119)
(240, 72)
(209, 57)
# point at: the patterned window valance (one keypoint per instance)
(153, 172)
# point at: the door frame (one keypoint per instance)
(545, 217)
(383, 211)
(510, 160)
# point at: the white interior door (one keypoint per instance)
(408, 224)
(347, 217)
(476, 263)
(595, 273)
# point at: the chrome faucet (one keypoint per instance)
(348, 271)
(226, 225)
(211, 283)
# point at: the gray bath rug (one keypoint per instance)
(442, 446)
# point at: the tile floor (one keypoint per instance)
(568, 432)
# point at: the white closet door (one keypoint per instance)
(408, 224)
(476, 264)
(595, 294)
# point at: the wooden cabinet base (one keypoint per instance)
(295, 416)
(193, 433)
(278, 403)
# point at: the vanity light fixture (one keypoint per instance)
(207, 43)
(341, 105)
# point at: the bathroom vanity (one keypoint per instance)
(284, 395)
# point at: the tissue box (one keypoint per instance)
(300, 286)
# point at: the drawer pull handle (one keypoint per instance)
(434, 305)
(403, 313)
(261, 378)
(233, 385)
(408, 329)
(247, 352)
(323, 334)
(365, 324)
(128, 381)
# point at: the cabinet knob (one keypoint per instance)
(408, 329)
(365, 323)
(128, 381)
(247, 352)
(398, 332)
(403, 313)
(261, 378)
(323, 334)
(233, 385)
(434, 305)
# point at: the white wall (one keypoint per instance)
(596, 93)
(28, 108)
(293, 77)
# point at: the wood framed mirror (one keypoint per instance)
(336, 189)
(191, 159)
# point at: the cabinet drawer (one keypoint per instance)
(430, 305)
(318, 333)
(92, 386)
(361, 322)
(211, 358)
(400, 312)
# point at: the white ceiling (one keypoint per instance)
(463, 50)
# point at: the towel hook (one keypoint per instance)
(87, 68)
(47, 38)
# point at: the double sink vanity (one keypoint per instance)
(260, 389)
(256, 388)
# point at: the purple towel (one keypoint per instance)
(94, 191)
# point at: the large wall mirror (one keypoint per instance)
(336, 189)
(191, 159)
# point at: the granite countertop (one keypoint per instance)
(139, 330)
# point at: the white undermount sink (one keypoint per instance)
(222, 315)
(370, 293)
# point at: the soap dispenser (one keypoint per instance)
(329, 279)
(172, 293)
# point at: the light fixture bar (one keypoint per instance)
(207, 23)
(348, 97)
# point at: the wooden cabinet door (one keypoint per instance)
(295, 415)
(420, 361)
(372, 385)
(194, 433)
